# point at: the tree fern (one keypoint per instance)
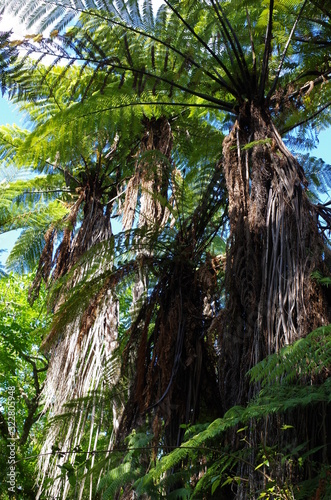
(239, 64)
(105, 154)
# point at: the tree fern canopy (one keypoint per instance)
(172, 216)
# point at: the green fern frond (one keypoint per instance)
(124, 474)
(318, 174)
(27, 249)
(11, 138)
(306, 357)
(280, 394)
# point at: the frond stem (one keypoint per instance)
(233, 41)
(157, 103)
(251, 40)
(205, 45)
(307, 86)
(221, 104)
(217, 78)
(280, 66)
(308, 119)
(64, 190)
(266, 55)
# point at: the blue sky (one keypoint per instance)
(9, 114)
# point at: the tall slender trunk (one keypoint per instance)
(151, 181)
(78, 349)
(174, 361)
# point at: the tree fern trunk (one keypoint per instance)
(274, 246)
(174, 362)
(79, 347)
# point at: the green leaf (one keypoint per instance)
(215, 485)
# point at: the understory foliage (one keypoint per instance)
(22, 374)
(169, 206)
(207, 461)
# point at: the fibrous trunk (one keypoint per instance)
(274, 246)
(147, 192)
(175, 360)
(80, 348)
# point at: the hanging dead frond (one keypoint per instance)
(45, 265)
(152, 176)
(61, 258)
(130, 203)
(76, 369)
